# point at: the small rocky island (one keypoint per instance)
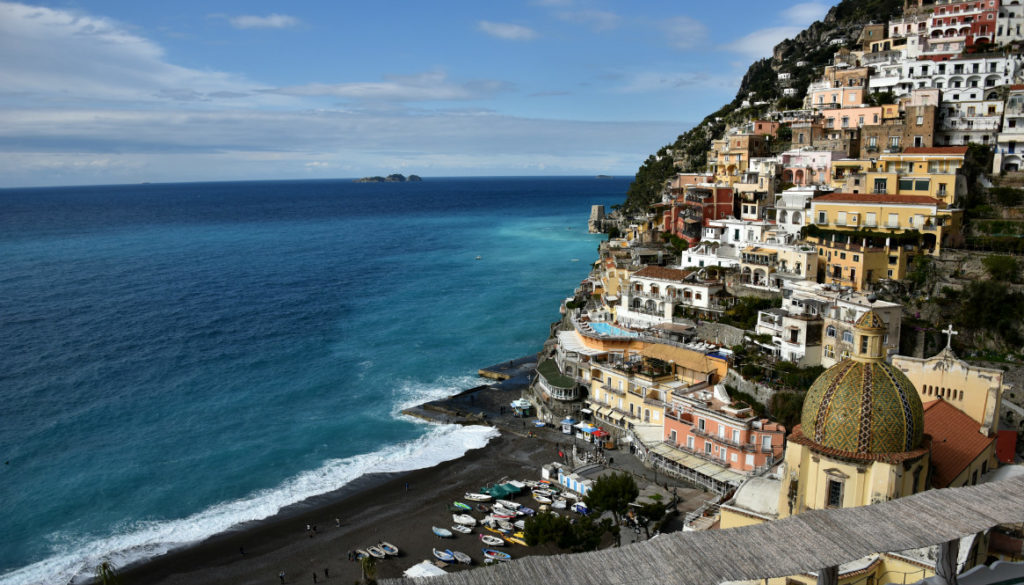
(396, 178)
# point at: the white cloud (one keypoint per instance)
(684, 32)
(433, 86)
(805, 13)
(503, 30)
(598, 20)
(268, 21)
(63, 57)
(651, 81)
(760, 43)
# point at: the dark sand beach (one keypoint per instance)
(398, 508)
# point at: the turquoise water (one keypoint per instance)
(608, 329)
(181, 358)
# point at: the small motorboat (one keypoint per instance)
(497, 530)
(491, 540)
(361, 553)
(510, 505)
(477, 497)
(504, 525)
(463, 506)
(558, 504)
(516, 540)
(464, 519)
(461, 528)
(524, 511)
(376, 552)
(496, 555)
(444, 555)
(541, 499)
(542, 492)
(461, 557)
(389, 549)
(442, 532)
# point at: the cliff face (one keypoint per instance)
(812, 48)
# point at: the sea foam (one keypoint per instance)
(76, 557)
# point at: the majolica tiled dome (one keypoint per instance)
(863, 405)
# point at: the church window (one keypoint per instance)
(835, 494)
(863, 343)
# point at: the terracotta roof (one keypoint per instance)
(1017, 87)
(876, 198)
(662, 272)
(936, 150)
(956, 440)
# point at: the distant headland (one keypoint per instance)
(396, 178)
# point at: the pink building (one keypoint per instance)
(707, 424)
(689, 213)
(810, 167)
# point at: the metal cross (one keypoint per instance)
(949, 334)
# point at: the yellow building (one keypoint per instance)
(631, 386)
(859, 266)
(864, 437)
(922, 171)
(889, 214)
(977, 391)
(733, 154)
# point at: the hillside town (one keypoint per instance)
(780, 325)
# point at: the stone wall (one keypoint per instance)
(726, 335)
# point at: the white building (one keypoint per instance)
(654, 292)
(1010, 25)
(1010, 142)
(815, 323)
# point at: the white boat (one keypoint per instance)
(541, 499)
(508, 504)
(464, 519)
(504, 524)
(444, 555)
(542, 492)
(461, 557)
(519, 524)
(477, 497)
(496, 555)
(461, 528)
(389, 549)
(376, 552)
(492, 540)
(442, 532)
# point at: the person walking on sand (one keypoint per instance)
(314, 576)
(337, 522)
(281, 576)
(327, 573)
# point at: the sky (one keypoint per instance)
(122, 91)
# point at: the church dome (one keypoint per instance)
(863, 405)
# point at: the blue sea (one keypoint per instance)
(176, 359)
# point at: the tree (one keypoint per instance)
(612, 493)
(106, 573)
(369, 568)
(1003, 268)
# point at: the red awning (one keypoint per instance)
(600, 433)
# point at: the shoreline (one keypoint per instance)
(397, 507)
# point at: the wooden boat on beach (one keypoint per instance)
(496, 555)
(376, 552)
(461, 528)
(389, 549)
(461, 557)
(442, 532)
(477, 497)
(491, 540)
(444, 555)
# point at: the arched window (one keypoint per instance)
(830, 331)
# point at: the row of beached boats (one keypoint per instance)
(381, 550)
